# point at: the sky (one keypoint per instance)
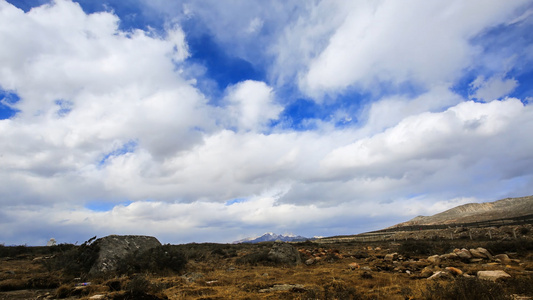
(212, 121)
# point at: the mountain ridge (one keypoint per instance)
(272, 237)
(477, 212)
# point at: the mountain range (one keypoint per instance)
(271, 237)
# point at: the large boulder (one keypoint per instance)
(113, 248)
(285, 254)
(492, 275)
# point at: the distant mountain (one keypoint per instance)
(271, 237)
(477, 212)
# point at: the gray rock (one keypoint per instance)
(439, 275)
(477, 254)
(310, 261)
(485, 252)
(492, 275)
(503, 258)
(284, 253)
(113, 248)
(391, 257)
(434, 259)
(463, 254)
(450, 256)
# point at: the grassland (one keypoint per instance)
(343, 270)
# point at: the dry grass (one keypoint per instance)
(219, 272)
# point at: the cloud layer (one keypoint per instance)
(114, 132)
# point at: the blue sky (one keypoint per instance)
(200, 121)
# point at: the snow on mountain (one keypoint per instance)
(271, 237)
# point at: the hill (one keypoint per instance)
(477, 212)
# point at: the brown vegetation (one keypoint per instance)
(344, 270)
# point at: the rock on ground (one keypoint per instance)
(113, 248)
(492, 275)
(284, 253)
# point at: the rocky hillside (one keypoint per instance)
(477, 212)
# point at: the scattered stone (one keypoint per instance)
(439, 275)
(449, 256)
(284, 253)
(463, 254)
(113, 248)
(454, 271)
(434, 259)
(477, 254)
(97, 297)
(366, 269)
(310, 261)
(377, 248)
(485, 252)
(391, 257)
(354, 266)
(492, 275)
(503, 258)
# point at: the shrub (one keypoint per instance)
(13, 251)
(255, 258)
(138, 285)
(340, 290)
(422, 247)
(466, 289)
(63, 291)
(74, 261)
(520, 285)
(510, 246)
(44, 282)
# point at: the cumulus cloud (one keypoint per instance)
(386, 42)
(113, 116)
(252, 104)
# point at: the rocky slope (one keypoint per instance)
(477, 212)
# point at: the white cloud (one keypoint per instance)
(431, 152)
(492, 88)
(107, 115)
(252, 104)
(391, 42)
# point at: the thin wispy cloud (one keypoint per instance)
(200, 121)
